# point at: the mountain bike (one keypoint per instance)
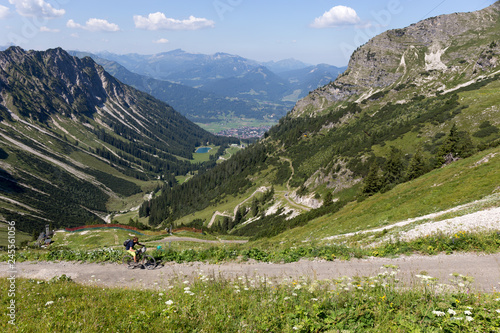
(142, 260)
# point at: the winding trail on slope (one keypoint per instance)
(485, 269)
(287, 195)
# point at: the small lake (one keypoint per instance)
(202, 150)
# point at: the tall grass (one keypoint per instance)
(254, 304)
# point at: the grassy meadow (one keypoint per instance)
(255, 304)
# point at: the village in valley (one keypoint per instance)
(247, 132)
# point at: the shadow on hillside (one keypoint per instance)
(8, 184)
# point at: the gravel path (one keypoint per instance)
(485, 269)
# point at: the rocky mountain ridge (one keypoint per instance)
(73, 138)
(435, 54)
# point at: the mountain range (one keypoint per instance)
(208, 88)
(77, 144)
(73, 137)
(410, 101)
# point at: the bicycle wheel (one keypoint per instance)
(128, 261)
(149, 262)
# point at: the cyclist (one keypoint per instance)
(130, 247)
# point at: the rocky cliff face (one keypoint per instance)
(454, 48)
(69, 84)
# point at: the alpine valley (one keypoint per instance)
(408, 129)
(219, 88)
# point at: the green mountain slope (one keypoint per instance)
(411, 100)
(73, 139)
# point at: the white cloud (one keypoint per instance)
(161, 41)
(47, 29)
(36, 8)
(94, 25)
(158, 21)
(337, 16)
(4, 12)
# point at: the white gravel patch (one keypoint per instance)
(486, 220)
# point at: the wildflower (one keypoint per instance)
(497, 310)
(452, 312)
(469, 318)
(187, 288)
(287, 298)
(160, 294)
(314, 299)
(438, 313)
(294, 294)
(49, 303)
(185, 282)
(295, 328)
(467, 312)
(169, 302)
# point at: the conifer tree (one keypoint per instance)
(417, 167)
(456, 145)
(394, 169)
(372, 181)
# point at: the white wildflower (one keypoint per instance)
(169, 302)
(467, 312)
(452, 312)
(49, 303)
(438, 313)
(469, 318)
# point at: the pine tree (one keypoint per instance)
(417, 166)
(456, 145)
(394, 169)
(372, 181)
(255, 207)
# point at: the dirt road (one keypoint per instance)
(485, 269)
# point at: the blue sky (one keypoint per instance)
(313, 31)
